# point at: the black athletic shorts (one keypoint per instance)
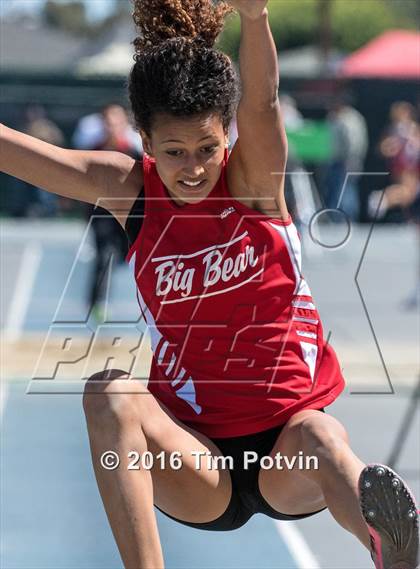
(246, 499)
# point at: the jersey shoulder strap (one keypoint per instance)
(135, 218)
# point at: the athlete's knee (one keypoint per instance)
(98, 380)
(324, 437)
(111, 395)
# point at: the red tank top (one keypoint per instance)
(237, 341)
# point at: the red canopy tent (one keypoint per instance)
(393, 55)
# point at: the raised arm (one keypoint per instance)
(111, 179)
(261, 150)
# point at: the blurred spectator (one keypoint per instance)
(400, 144)
(401, 147)
(117, 131)
(349, 148)
(29, 200)
(110, 241)
(90, 131)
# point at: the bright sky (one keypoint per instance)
(96, 9)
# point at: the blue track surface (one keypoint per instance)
(52, 514)
(61, 288)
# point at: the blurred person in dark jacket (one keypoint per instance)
(110, 241)
(31, 201)
(349, 148)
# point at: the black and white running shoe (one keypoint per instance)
(392, 517)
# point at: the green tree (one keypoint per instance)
(407, 8)
(70, 16)
(353, 23)
(356, 22)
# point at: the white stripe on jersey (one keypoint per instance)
(290, 237)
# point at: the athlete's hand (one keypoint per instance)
(251, 9)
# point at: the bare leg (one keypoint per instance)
(334, 485)
(127, 495)
(123, 416)
(338, 476)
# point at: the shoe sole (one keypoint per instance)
(391, 514)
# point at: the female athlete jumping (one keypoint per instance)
(240, 365)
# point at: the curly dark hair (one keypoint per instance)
(177, 71)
